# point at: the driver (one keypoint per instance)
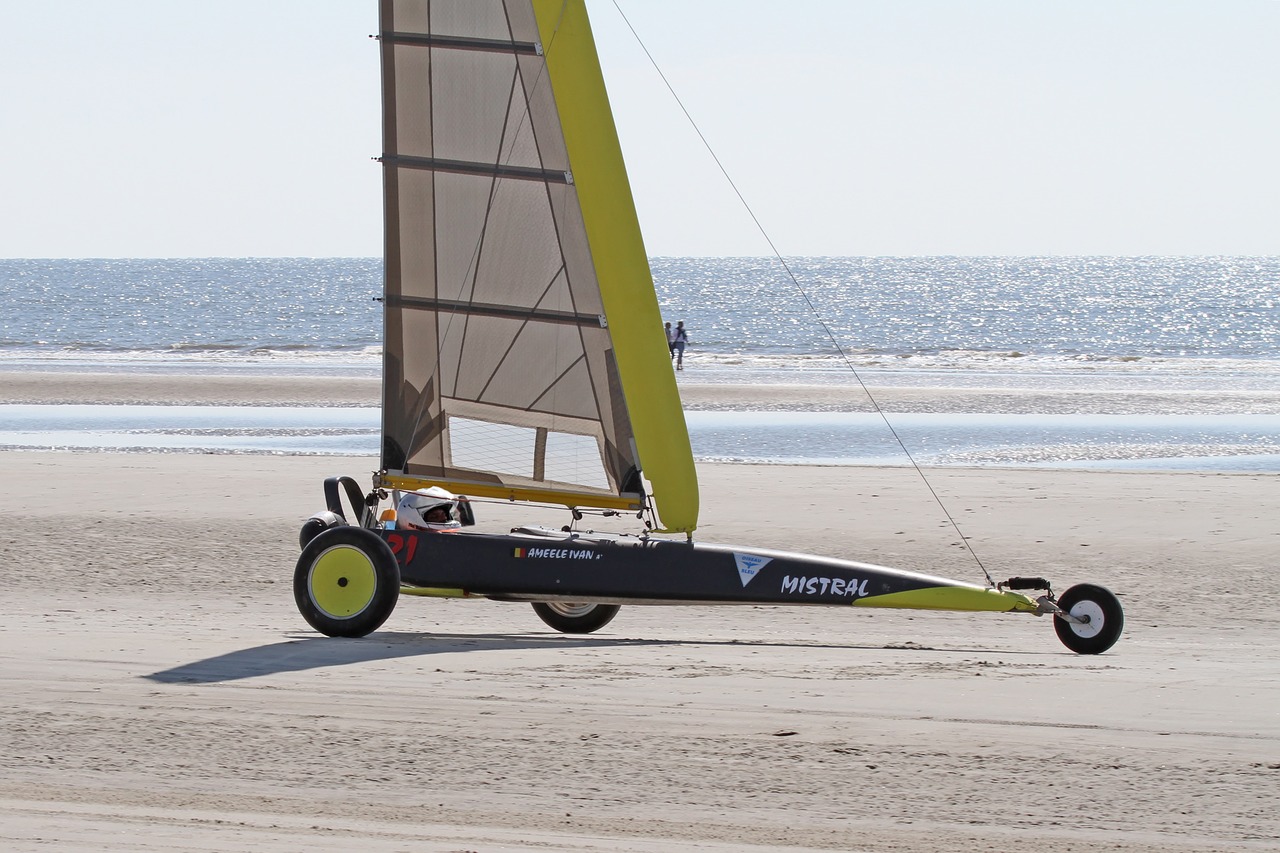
(434, 509)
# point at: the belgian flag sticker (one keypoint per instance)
(519, 554)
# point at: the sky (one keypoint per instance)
(247, 128)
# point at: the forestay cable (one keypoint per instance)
(875, 404)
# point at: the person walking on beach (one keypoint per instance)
(671, 340)
(681, 341)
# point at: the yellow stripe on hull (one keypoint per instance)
(433, 592)
(965, 598)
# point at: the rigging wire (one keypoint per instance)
(875, 404)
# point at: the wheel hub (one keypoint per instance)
(342, 582)
(570, 608)
(1090, 616)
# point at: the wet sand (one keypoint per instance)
(179, 389)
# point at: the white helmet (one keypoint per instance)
(414, 507)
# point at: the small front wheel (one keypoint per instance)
(347, 582)
(1102, 615)
(573, 618)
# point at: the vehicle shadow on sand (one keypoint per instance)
(312, 652)
(321, 652)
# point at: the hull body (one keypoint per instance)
(539, 564)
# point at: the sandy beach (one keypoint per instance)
(161, 692)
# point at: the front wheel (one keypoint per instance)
(571, 618)
(1102, 614)
(347, 582)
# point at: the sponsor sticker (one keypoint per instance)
(556, 554)
(749, 565)
(848, 587)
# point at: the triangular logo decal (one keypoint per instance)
(748, 565)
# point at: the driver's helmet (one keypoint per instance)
(428, 509)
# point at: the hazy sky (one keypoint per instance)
(163, 128)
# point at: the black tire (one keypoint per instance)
(1096, 604)
(572, 618)
(317, 524)
(347, 582)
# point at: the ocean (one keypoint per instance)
(1183, 327)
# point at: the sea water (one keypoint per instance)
(1203, 442)
(986, 315)
(1116, 325)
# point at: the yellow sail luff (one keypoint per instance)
(621, 264)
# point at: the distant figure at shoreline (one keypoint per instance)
(671, 340)
(681, 341)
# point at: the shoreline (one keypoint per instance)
(194, 389)
(777, 425)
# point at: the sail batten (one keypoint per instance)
(460, 43)
(481, 309)
(523, 349)
(497, 170)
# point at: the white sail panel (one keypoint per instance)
(522, 260)
(463, 132)
(468, 18)
(511, 450)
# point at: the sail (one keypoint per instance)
(524, 352)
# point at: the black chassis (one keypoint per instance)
(541, 564)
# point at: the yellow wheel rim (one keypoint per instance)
(342, 582)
